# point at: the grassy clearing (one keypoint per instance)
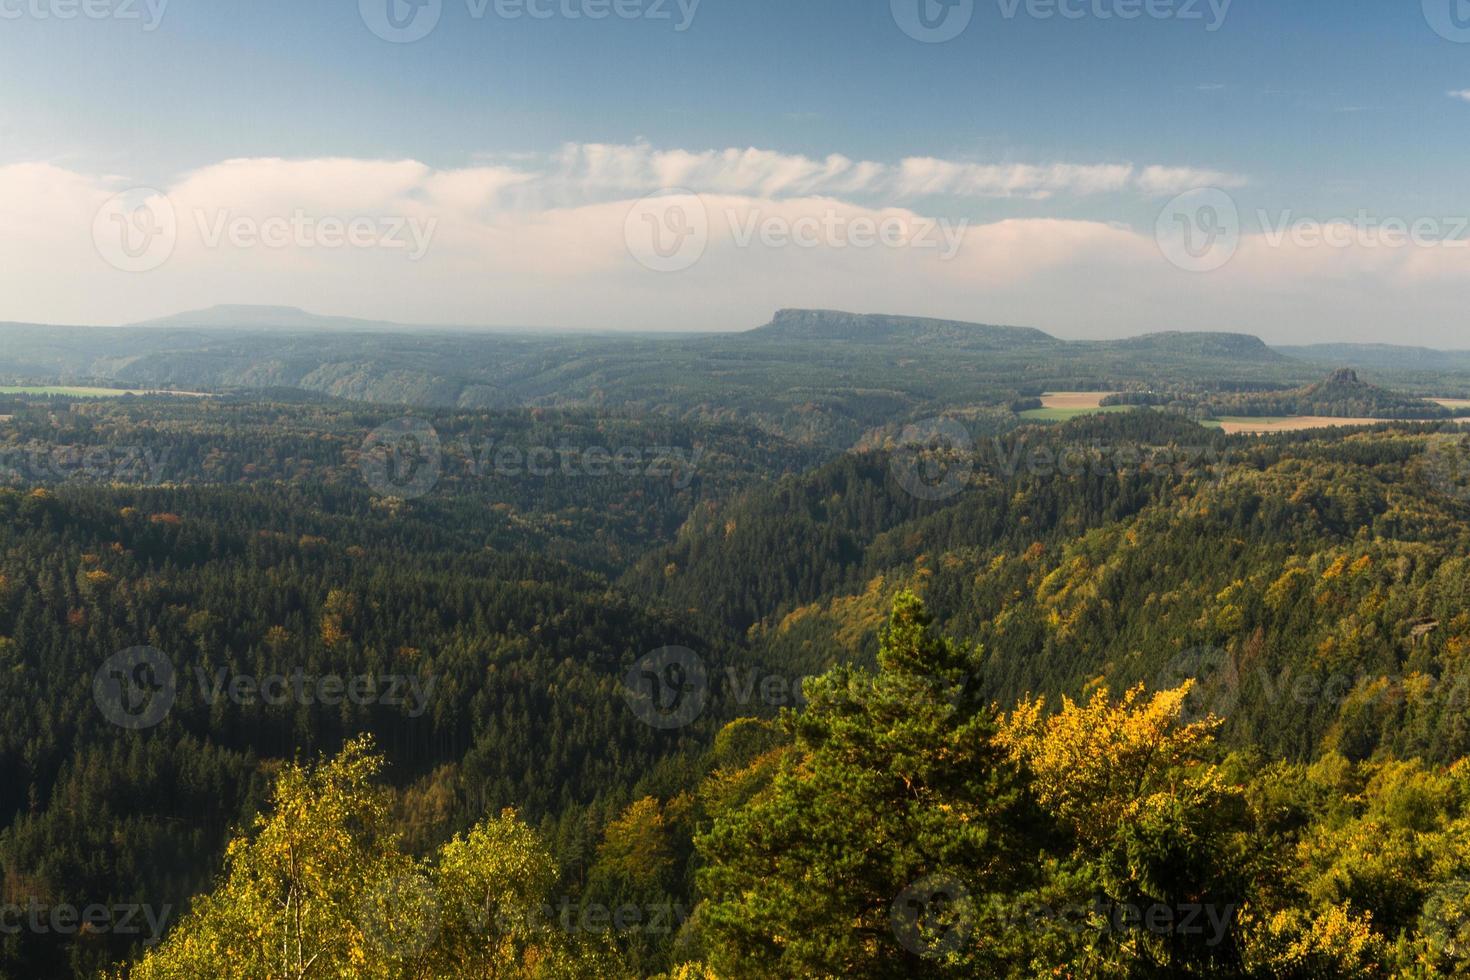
(1067, 414)
(72, 392)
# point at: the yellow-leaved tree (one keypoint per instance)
(1105, 763)
(323, 889)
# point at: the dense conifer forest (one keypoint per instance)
(310, 688)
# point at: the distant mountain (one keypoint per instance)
(867, 328)
(1234, 346)
(249, 317)
(1382, 357)
(1341, 395)
(813, 376)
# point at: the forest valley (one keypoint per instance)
(1196, 706)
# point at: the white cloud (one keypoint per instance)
(592, 168)
(541, 241)
(1176, 180)
(1463, 95)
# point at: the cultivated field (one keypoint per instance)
(1074, 399)
(1059, 406)
(1298, 423)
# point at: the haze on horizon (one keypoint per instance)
(694, 166)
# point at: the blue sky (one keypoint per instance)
(1324, 108)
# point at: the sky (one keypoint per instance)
(1094, 168)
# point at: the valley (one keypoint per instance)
(520, 575)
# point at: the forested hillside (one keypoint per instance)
(458, 695)
(816, 377)
(1341, 395)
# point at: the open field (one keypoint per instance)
(1067, 414)
(71, 392)
(1061, 406)
(1454, 404)
(1299, 423)
(1074, 399)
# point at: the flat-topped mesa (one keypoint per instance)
(798, 324)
